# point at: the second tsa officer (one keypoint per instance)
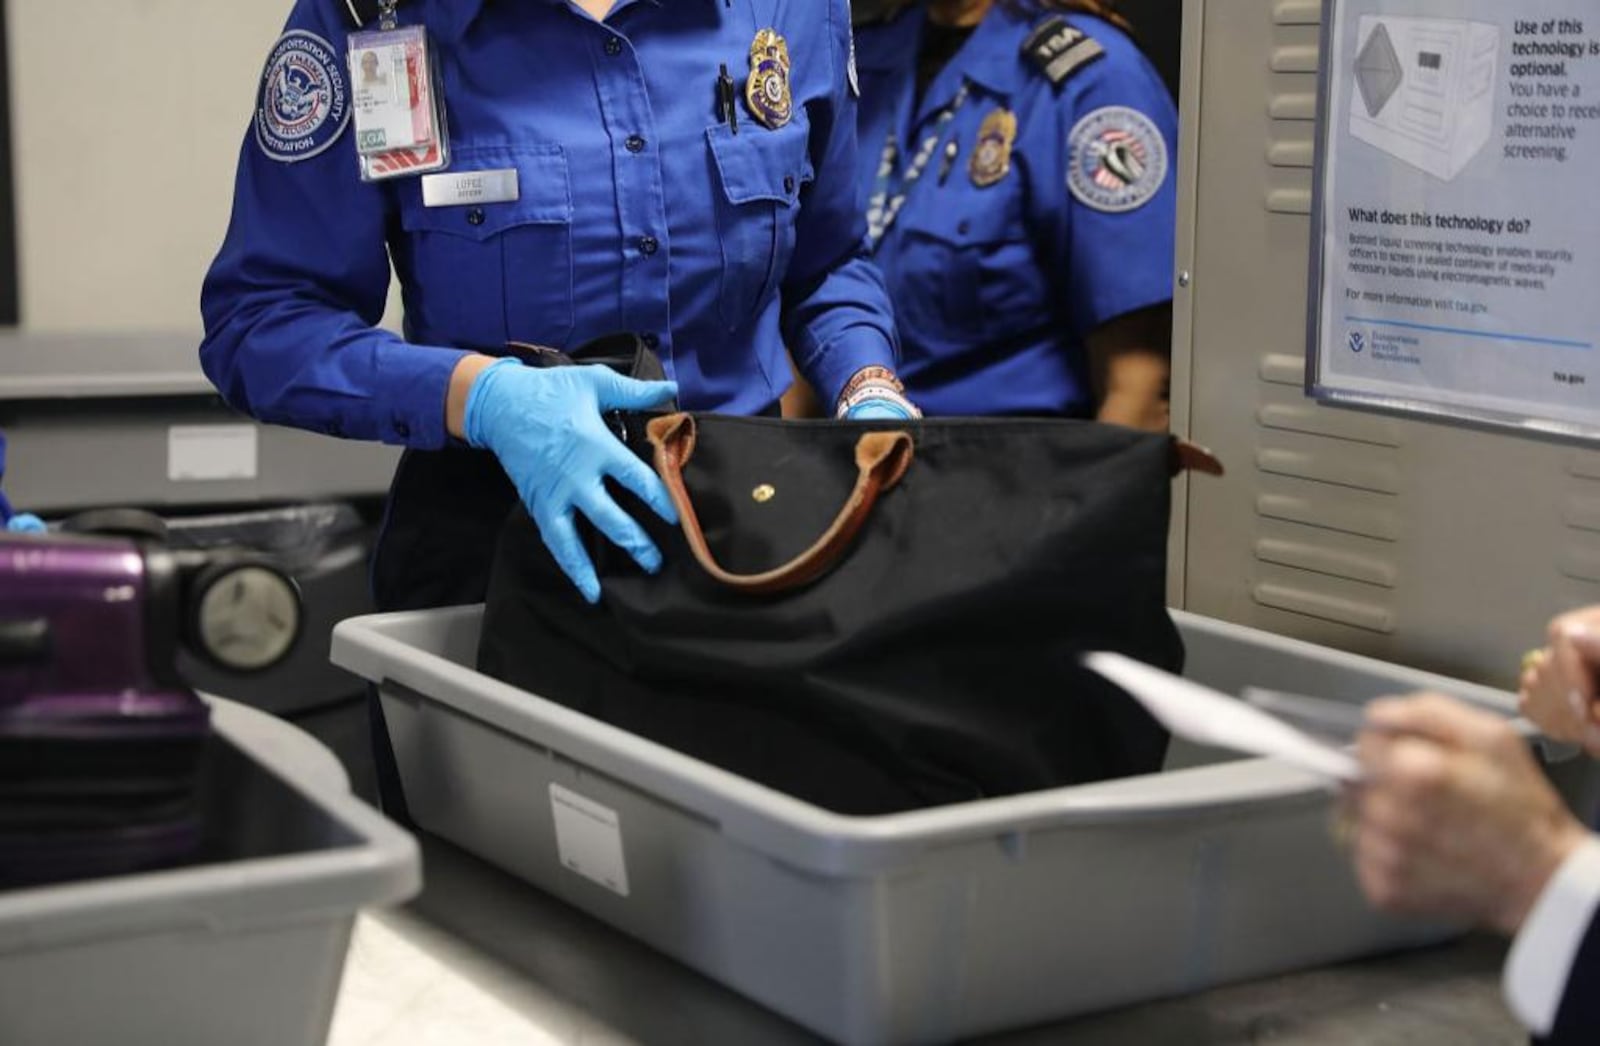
(683, 171)
(1018, 157)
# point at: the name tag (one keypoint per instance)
(459, 187)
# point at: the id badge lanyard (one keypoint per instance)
(890, 192)
(399, 122)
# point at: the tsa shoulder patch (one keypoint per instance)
(1118, 159)
(1059, 50)
(304, 102)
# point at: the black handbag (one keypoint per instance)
(870, 617)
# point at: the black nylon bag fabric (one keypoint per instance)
(936, 662)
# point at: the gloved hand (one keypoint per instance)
(875, 394)
(25, 523)
(545, 427)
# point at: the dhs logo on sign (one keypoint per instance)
(1357, 342)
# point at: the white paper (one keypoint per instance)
(211, 452)
(1205, 716)
(589, 839)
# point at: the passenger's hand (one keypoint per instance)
(1558, 683)
(875, 394)
(25, 523)
(1455, 819)
(545, 427)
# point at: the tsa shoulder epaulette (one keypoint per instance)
(1059, 50)
(361, 13)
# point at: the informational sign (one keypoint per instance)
(1456, 266)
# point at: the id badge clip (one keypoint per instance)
(399, 122)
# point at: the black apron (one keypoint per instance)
(445, 510)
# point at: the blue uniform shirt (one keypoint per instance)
(996, 286)
(639, 210)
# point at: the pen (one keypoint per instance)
(727, 104)
(1324, 717)
(951, 149)
(1316, 715)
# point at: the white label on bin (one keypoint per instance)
(589, 839)
(211, 452)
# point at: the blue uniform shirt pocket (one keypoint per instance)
(484, 274)
(762, 173)
(936, 279)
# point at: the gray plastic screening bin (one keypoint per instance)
(247, 950)
(920, 927)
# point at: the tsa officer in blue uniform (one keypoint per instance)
(683, 171)
(1018, 159)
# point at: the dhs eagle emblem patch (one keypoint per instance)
(304, 102)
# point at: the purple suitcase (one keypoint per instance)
(101, 750)
(99, 784)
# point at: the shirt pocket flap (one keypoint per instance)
(544, 194)
(761, 164)
(957, 219)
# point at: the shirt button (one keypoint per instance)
(788, 184)
(648, 245)
(652, 340)
(402, 430)
(613, 46)
(964, 228)
(635, 144)
(475, 216)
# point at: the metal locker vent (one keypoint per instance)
(1330, 483)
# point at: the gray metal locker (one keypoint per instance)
(1427, 544)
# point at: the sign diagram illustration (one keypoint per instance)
(1424, 90)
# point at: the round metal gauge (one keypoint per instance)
(246, 617)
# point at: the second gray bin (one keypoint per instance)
(920, 927)
(245, 948)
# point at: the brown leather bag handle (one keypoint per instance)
(1191, 457)
(881, 460)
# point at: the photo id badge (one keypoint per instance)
(391, 85)
(400, 125)
(402, 162)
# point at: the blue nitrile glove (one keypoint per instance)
(544, 425)
(25, 523)
(882, 408)
(875, 394)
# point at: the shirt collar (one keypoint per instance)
(459, 15)
(991, 57)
